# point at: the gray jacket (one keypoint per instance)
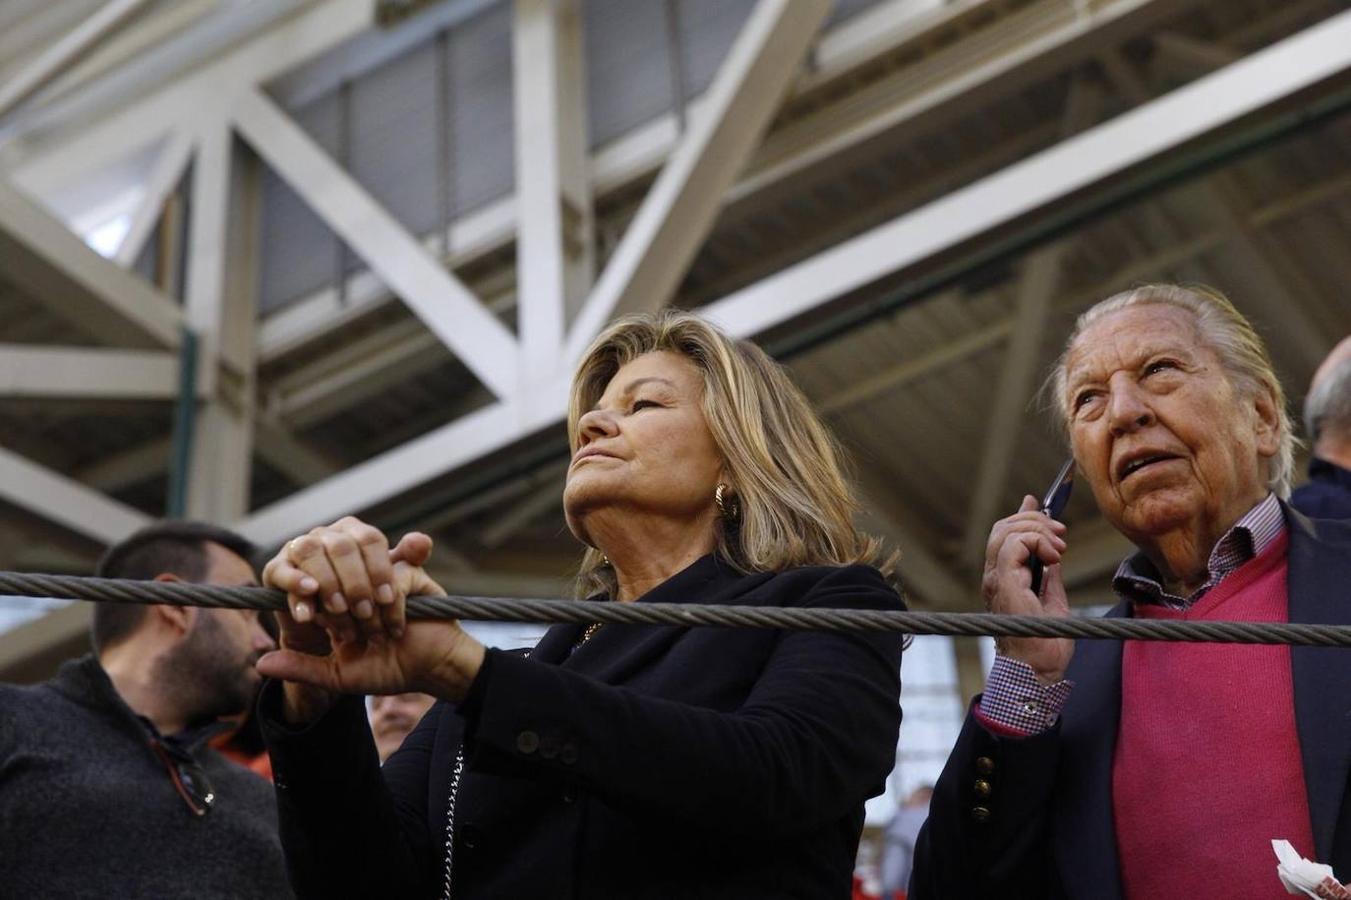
(88, 807)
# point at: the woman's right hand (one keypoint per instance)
(344, 629)
(1007, 585)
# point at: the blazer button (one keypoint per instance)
(469, 838)
(981, 813)
(569, 753)
(527, 742)
(569, 795)
(984, 765)
(982, 788)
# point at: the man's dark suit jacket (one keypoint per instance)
(1050, 833)
(652, 762)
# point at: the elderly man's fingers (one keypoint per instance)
(368, 577)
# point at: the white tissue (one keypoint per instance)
(1301, 876)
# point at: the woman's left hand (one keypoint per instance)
(370, 649)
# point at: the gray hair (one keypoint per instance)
(1222, 328)
(1328, 406)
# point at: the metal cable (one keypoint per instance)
(688, 614)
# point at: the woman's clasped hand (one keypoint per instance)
(345, 628)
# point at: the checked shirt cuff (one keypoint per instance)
(1015, 703)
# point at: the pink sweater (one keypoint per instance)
(1207, 768)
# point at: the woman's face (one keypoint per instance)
(645, 450)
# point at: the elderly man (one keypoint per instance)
(1152, 770)
(1327, 414)
(108, 787)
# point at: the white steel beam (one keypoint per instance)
(44, 163)
(87, 372)
(221, 281)
(555, 244)
(65, 501)
(284, 452)
(678, 210)
(1239, 90)
(395, 471)
(438, 298)
(919, 98)
(55, 267)
(1134, 138)
(164, 178)
(66, 50)
(129, 467)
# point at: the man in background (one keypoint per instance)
(898, 841)
(393, 717)
(1327, 414)
(108, 786)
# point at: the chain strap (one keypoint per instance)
(450, 821)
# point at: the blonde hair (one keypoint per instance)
(1223, 329)
(795, 506)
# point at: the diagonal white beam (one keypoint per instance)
(48, 161)
(65, 51)
(52, 265)
(555, 244)
(87, 373)
(67, 502)
(678, 210)
(391, 473)
(1267, 77)
(437, 297)
(168, 171)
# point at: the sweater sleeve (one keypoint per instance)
(816, 735)
(350, 829)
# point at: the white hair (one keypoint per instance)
(1327, 409)
(1223, 329)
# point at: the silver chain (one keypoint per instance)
(450, 820)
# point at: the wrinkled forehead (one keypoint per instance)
(1128, 338)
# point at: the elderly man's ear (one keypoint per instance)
(1268, 421)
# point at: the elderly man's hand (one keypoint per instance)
(1007, 585)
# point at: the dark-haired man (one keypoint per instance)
(107, 784)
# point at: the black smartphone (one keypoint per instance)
(1053, 504)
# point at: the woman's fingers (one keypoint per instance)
(300, 587)
(414, 548)
(305, 668)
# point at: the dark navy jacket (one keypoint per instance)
(652, 762)
(1327, 494)
(1050, 832)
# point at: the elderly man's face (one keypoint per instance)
(1164, 439)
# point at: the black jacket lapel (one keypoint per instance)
(1085, 831)
(618, 651)
(1319, 587)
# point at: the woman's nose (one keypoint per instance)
(596, 423)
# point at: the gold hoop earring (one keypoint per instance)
(727, 505)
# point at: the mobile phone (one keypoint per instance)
(1053, 504)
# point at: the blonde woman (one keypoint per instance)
(615, 761)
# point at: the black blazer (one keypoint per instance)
(1050, 832)
(653, 762)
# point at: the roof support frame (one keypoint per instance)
(675, 216)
